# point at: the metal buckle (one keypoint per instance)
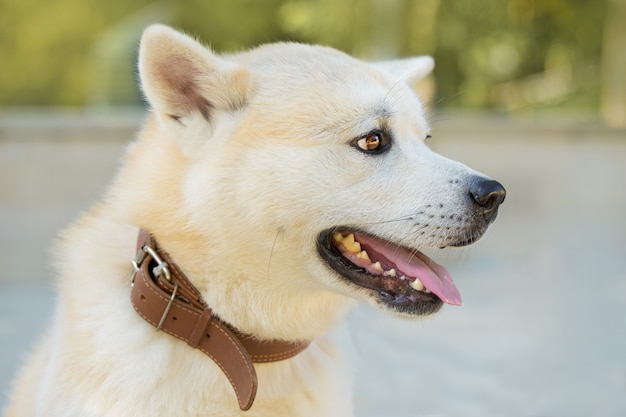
(161, 267)
(167, 308)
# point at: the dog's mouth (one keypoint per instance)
(402, 278)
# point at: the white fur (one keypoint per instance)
(244, 160)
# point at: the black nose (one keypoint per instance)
(488, 194)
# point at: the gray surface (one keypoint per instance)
(542, 331)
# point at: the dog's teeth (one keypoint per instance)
(350, 244)
(403, 277)
(378, 267)
(417, 285)
(354, 247)
(363, 255)
(390, 273)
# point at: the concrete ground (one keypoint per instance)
(542, 329)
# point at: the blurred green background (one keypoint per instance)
(520, 57)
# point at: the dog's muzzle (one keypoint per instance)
(403, 278)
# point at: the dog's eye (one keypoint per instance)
(374, 142)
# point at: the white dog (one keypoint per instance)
(278, 185)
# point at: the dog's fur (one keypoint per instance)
(243, 162)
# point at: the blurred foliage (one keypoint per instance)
(498, 54)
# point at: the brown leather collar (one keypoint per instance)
(165, 298)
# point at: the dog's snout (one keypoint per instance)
(488, 194)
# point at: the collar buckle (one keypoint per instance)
(160, 269)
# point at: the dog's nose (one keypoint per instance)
(488, 194)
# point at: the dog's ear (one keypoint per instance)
(181, 78)
(409, 70)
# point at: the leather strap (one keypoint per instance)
(165, 298)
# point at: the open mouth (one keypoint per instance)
(403, 279)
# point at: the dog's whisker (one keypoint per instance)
(400, 219)
(269, 262)
(392, 89)
(413, 254)
(393, 99)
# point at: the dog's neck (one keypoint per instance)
(257, 277)
(166, 299)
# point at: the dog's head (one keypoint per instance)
(306, 174)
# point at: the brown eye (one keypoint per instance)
(374, 142)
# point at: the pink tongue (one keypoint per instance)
(415, 264)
